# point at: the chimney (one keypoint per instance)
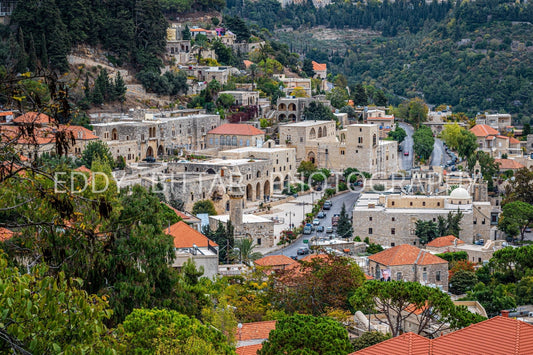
(505, 313)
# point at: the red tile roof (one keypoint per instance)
(482, 130)
(247, 63)
(513, 140)
(83, 169)
(405, 344)
(508, 164)
(406, 254)
(34, 117)
(502, 137)
(6, 113)
(445, 241)
(255, 330)
(5, 234)
(178, 213)
(185, 236)
(80, 132)
(318, 66)
(249, 349)
(197, 30)
(275, 260)
(495, 336)
(237, 129)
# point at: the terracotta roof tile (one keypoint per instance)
(494, 336)
(275, 260)
(185, 236)
(249, 349)
(34, 117)
(83, 169)
(255, 330)
(445, 241)
(406, 254)
(197, 30)
(237, 129)
(508, 164)
(178, 212)
(319, 66)
(513, 140)
(247, 63)
(482, 130)
(5, 234)
(502, 137)
(80, 132)
(405, 344)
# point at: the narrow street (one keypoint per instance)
(406, 161)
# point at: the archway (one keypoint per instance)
(211, 171)
(266, 190)
(282, 107)
(286, 181)
(160, 151)
(149, 152)
(114, 134)
(292, 117)
(325, 132)
(312, 133)
(319, 132)
(311, 157)
(249, 192)
(258, 191)
(292, 107)
(277, 183)
(282, 117)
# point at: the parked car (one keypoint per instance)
(329, 229)
(294, 257)
(479, 242)
(316, 222)
(308, 229)
(321, 214)
(320, 228)
(406, 153)
(327, 205)
(149, 159)
(302, 251)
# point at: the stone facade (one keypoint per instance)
(156, 136)
(298, 135)
(391, 220)
(233, 138)
(436, 274)
(292, 83)
(499, 121)
(243, 98)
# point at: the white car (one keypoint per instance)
(316, 222)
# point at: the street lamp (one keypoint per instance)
(290, 214)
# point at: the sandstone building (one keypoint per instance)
(233, 135)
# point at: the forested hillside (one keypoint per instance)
(472, 55)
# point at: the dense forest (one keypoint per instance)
(474, 56)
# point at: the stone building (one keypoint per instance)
(207, 74)
(476, 253)
(409, 263)
(298, 135)
(292, 108)
(501, 122)
(156, 136)
(493, 143)
(294, 83)
(259, 229)
(321, 70)
(243, 98)
(390, 220)
(233, 135)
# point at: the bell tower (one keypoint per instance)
(236, 202)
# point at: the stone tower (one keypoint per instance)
(236, 202)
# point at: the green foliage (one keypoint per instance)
(453, 256)
(396, 300)
(520, 187)
(426, 231)
(43, 314)
(489, 168)
(170, 83)
(423, 142)
(223, 236)
(307, 68)
(368, 339)
(462, 281)
(225, 100)
(344, 225)
(96, 149)
(360, 97)
(509, 265)
(493, 297)
(204, 206)
(237, 25)
(306, 168)
(307, 335)
(158, 331)
(318, 111)
(524, 291)
(515, 218)
(379, 187)
(413, 111)
(243, 251)
(451, 225)
(373, 248)
(398, 134)
(338, 97)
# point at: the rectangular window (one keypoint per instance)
(494, 218)
(398, 276)
(393, 231)
(211, 141)
(393, 219)
(258, 241)
(369, 230)
(425, 276)
(437, 276)
(369, 218)
(392, 244)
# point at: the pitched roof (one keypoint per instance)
(237, 129)
(255, 330)
(83, 169)
(197, 30)
(406, 254)
(249, 349)
(185, 236)
(495, 336)
(405, 344)
(247, 63)
(498, 335)
(445, 241)
(34, 117)
(513, 140)
(507, 164)
(319, 66)
(80, 132)
(483, 130)
(274, 260)
(5, 234)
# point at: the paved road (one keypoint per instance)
(406, 162)
(348, 199)
(439, 156)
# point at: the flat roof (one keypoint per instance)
(256, 149)
(246, 218)
(220, 161)
(307, 123)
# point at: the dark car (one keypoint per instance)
(149, 159)
(302, 251)
(320, 228)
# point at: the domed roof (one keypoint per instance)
(460, 193)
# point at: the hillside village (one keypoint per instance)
(238, 197)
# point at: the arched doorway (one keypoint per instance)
(312, 133)
(282, 107)
(325, 132)
(149, 152)
(249, 192)
(319, 132)
(311, 157)
(292, 117)
(114, 134)
(286, 181)
(211, 171)
(277, 184)
(160, 151)
(292, 107)
(282, 117)
(258, 191)
(266, 190)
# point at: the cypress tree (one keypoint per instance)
(119, 88)
(33, 61)
(44, 52)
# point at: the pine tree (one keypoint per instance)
(186, 33)
(344, 225)
(32, 61)
(119, 88)
(44, 52)
(22, 54)
(360, 97)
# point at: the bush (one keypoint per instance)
(379, 187)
